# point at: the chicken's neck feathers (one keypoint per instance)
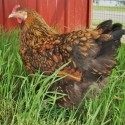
(37, 24)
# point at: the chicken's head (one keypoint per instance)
(19, 14)
(27, 17)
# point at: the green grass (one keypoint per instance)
(21, 105)
(108, 8)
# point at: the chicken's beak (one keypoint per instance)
(13, 14)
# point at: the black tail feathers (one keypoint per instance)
(117, 34)
(109, 47)
(116, 26)
(107, 27)
(104, 26)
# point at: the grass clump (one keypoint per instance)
(20, 104)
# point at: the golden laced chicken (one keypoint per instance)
(91, 53)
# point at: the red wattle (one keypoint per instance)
(19, 20)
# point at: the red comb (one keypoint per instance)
(14, 9)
